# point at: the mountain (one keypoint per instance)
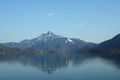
(108, 46)
(113, 43)
(52, 42)
(9, 51)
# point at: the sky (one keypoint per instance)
(89, 20)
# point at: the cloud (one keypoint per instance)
(51, 14)
(78, 25)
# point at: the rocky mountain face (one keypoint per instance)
(52, 42)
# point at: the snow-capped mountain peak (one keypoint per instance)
(49, 35)
(50, 41)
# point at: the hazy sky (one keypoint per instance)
(89, 20)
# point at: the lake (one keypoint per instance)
(61, 66)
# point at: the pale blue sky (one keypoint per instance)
(89, 20)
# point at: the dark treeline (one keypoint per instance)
(102, 51)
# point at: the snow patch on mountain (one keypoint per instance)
(70, 40)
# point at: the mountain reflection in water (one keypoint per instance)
(51, 62)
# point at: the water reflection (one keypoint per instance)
(51, 62)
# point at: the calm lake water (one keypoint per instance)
(64, 66)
